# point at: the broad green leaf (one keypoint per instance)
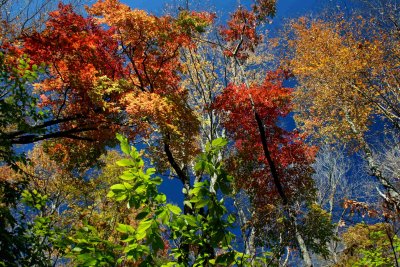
(172, 264)
(125, 147)
(219, 142)
(231, 218)
(200, 165)
(157, 243)
(127, 185)
(118, 187)
(125, 163)
(121, 198)
(190, 220)
(188, 203)
(140, 235)
(202, 203)
(77, 249)
(164, 216)
(161, 198)
(120, 137)
(156, 180)
(150, 171)
(144, 225)
(226, 259)
(174, 209)
(140, 189)
(124, 228)
(128, 239)
(127, 176)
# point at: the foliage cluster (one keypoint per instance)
(195, 110)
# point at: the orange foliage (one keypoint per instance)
(339, 73)
(289, 153)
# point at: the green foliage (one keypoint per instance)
(89, 249)
(193, 22)
(34, 199)
(205, 229)
(18, 105)
(34, 237)
(371, 245)
(317, 229)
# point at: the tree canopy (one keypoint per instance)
(134, 139)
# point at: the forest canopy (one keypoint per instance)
(194, 138)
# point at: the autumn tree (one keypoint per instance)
(278, 162)
(346, 82)
(370, 244)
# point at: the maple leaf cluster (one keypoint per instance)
(102, 71)
(241, 33)
(289, 153)
(77, 53)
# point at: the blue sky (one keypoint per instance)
(286, 8)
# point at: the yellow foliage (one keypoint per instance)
(334, 67)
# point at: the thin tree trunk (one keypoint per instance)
(292, 216)
(184, 258)
(302, 245)
(392, 196)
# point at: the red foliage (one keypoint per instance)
(99, 77)
(241, 33)
(290, 155)
(151, 44)
(77, 52)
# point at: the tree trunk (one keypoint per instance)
(393, 196)
(292, 216)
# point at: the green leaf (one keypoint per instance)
(125, 162)
(188, 203)
(77, 249)
(118, 187)
(173, 264)
(140, 235)
(124, 228)
(140, 189)
(174, 209)
(157, 243)
(150, 171)
(219, 142)
(127, 186)
(127, 176)
(226, 259)
(190, 220)
(231, 218)
(126, 149)
(121, 197)
(201, 203)
(164, 216)
(144, 225)
(156, 180)
(161, 198)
